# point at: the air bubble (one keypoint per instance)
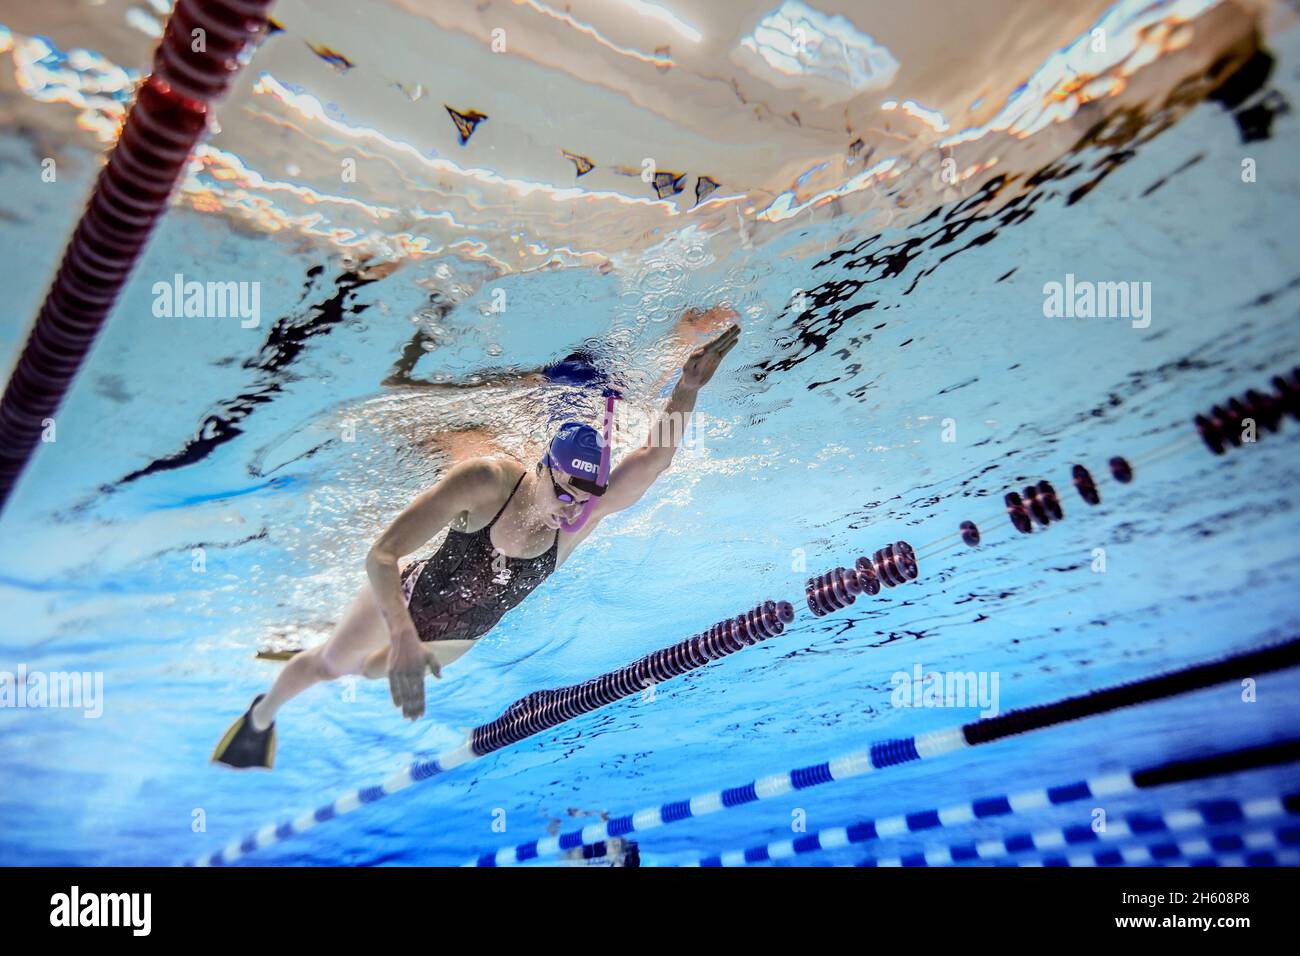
(660, 275)
(673, 303)
(695, 256)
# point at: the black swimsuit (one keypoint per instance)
(458, 595)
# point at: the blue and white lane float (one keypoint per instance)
(889, 753)
(1009, 850)
(1279, 847)
(1107, 786)
(878, 756)
(1223, 849)
(1136, 826)
(1069, 842)
(274, 833)
(1282, 858)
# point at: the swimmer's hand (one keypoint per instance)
(408, 662)
(704, 361)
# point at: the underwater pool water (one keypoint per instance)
(214, 489)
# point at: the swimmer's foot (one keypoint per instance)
(244, 745)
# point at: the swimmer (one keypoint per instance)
(509, 528)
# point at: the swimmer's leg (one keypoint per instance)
(360, 634)
(359, 645)
(441, 653)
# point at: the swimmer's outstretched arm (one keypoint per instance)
(465, 487)
(640, 469)
(484, 379)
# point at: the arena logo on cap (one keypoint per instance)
(585, 465)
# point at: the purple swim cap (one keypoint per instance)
(576, 451)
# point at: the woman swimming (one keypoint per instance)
(504, 525)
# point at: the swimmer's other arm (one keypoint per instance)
(465, 488)
(487, 378)
(640, 469)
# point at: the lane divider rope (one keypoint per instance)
(165, 123)
(1107, 786)
(1251, 848)
(1197, 851)
(889, 753)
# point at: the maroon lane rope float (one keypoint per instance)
(891, 566)
(544, 709)
(1039, 504)
(1224, 426)
(163, 127)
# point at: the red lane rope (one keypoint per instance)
(165, 123)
